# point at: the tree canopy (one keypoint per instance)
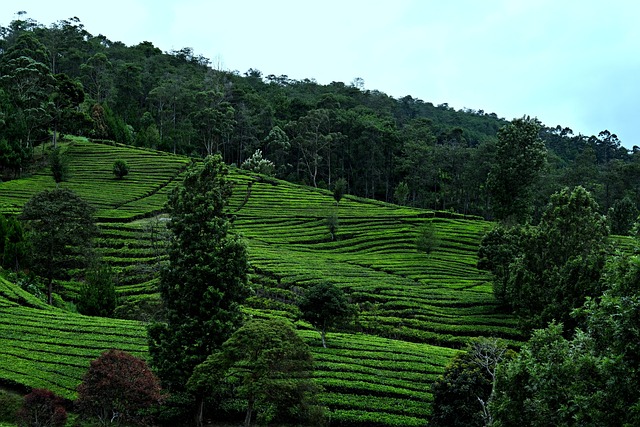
(60, 227)
(267, 365)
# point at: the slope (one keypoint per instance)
(415, 309)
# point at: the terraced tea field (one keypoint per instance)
(415, 309)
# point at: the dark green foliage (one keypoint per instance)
(98, 293)
(622, 215)
(590, 379)
(552, 381)
(267, 365)
(13, 246)
(118, 388)
(543, 272)
(60, 228)
(59, 165)
(333, 224)
(461, 396)
(427, 240)
(10, 403)
(325, 306)
(339, 189)
(520, 157)
(120, 168)
(206, 280)
(42, 408)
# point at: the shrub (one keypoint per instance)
(120, 168)
(118, 387)
(10, 403)
(98, 294)
(427, 240)
(42, 408)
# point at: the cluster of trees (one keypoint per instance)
(579, 301)
(207, 354)
(61, 78)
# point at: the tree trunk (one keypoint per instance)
(323, 333)
(50, 291)
(247, 418)
(200, 414)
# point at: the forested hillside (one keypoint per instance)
(305, 253)
(61, 77)
(415, 309)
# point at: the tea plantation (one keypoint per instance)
(415, 309)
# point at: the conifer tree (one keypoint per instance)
(206, 280)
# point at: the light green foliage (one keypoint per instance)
(206, 279)
(267, 365)
(545, 271)
(61, 229)
(520, 157)
(256, 163)
(401, 193)
(120, 168)
(325, 306)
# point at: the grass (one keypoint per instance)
(415, 309)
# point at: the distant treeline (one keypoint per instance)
(61, 79)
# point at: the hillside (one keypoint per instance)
(416, 309)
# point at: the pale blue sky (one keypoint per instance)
(572, 63)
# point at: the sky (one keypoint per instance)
(573, 63)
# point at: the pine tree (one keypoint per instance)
(206, 280)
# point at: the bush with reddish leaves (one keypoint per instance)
(42, 408)
(118, 387)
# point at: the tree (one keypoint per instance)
(206, 279)
(59, 165)
(543, 272)
(461, 396)
(60, 229)
(13, 245)
(401, 193)
(267, 365)
(117, 388)
(333, 224)
(520, 158)
(622, 215)
(256, 163)
(325, 306)
(339, 189)
(590, 379)
(427, 240)
(120, 168)
(42, 408)
(98, 294)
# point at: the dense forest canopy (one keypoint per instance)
(60, 79)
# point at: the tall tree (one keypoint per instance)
(270, 367)
(60, 228)
(520, 157)
(206, 279)
(325, 306)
